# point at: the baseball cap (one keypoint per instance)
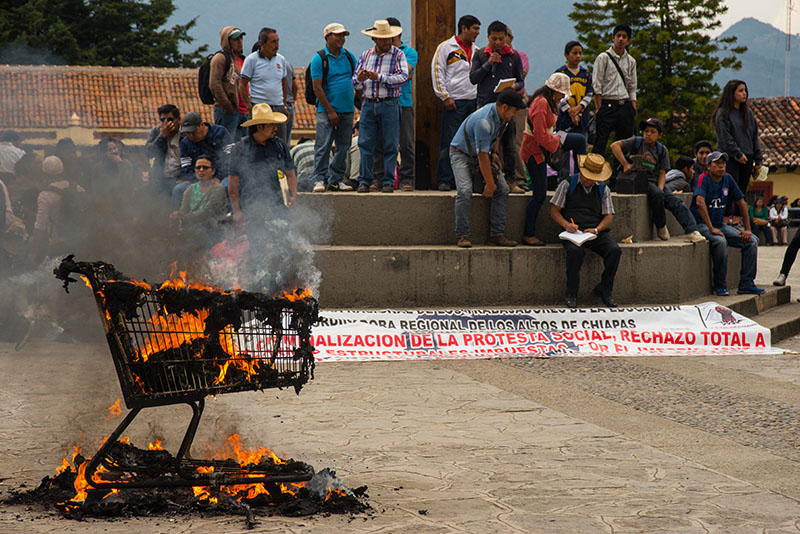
(655, 123)
(191, 121)
(511, 98)
(236, 33)
(714, 156)
(334, 27)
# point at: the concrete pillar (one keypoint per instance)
(432, 21)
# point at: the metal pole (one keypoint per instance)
(786, 72)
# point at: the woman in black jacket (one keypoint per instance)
(737, 133)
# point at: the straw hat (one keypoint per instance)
(594, 167)
(558, 81)
(263, 114)
(382, 30)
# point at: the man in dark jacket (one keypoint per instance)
(201, 138)
(223, 80)
(497, 62)
(163, 146)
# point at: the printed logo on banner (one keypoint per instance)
(722, 315)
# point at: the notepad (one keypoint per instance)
(579, 238)
(284, 187)
(505, 83)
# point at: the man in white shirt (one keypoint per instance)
(265, 70)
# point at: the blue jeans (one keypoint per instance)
(660, 201)
(451, 120)
(289, 122)
(719, 255)
(463, 167)
(230, 121)
(326, 136)
(574, 142)
(375, 116)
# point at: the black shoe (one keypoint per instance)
(606, 297)
(387, 188)
(572, 301)
(362, 188)
(444, 186)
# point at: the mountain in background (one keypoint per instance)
(541, 29)
(763, 63)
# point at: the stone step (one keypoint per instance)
(662, 272)
(783, 321)
(428, 218)
(750, 305)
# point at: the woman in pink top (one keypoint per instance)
(542, 115)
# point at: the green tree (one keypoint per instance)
(675, 56)
(118, 33)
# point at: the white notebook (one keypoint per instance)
(505, 83)
(579, 238)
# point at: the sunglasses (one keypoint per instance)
(202, 167)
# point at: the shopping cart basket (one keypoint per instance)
(178, 343)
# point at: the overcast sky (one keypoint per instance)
(769, 11)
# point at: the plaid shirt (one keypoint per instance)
(392, 69)
(560, 197)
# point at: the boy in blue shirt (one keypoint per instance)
(573, 116)
(711, 194)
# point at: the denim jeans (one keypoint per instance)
(660, 201)
(289, 123)
(451, 120)
(383, 116)
(230, 121)
(327, 135)
(405, 170)
(719, 255)
(463, 167)
(574, 142)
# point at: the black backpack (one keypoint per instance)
(311, 98)
(203, 75)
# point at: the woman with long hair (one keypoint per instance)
(737, 133)
(539, 137)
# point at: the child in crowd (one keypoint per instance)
(679, 179)
(573, 116)
(652, 159)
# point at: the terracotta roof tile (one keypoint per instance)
(106, 97)
(779, 131)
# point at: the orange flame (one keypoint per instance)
(297, 294)
(114, 410)
(155, 446)
(172, 331)
(86, 281)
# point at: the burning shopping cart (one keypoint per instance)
(180, 342)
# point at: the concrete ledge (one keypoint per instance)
(376, 277)
(427, 218)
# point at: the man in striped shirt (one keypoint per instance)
(379, 75)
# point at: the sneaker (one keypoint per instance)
(374, 187)
(502, 241)
(319, 187)
(406, 186)
(663, 233)
(341, 186)
(464, 242)
(750, 290)
(780, 281)
(362, 188)
(387, 188)
(694, 237)
(444, 186)
(722, 292)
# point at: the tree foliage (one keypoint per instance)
(675, 56)
(94, 32)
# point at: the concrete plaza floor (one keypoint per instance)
(648, 444)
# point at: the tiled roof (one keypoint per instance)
(779, 129)
(105, 97)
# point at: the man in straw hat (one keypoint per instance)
(380, 74)
(477, 138)
(253, 184)
(583, 204)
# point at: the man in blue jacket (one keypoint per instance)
(201, 138)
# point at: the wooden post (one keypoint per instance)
(432, 21)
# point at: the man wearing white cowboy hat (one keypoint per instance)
(583, 204)
(380, 73)
(254, 165)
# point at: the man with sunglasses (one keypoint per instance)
(164, 148)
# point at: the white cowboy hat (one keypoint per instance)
(594, 167)
(263, 114)
(382, 30)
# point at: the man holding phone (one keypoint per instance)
(163, 146)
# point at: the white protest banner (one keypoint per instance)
(345, 335)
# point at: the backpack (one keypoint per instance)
(204, 74)
(311, 98)
(637, 144)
